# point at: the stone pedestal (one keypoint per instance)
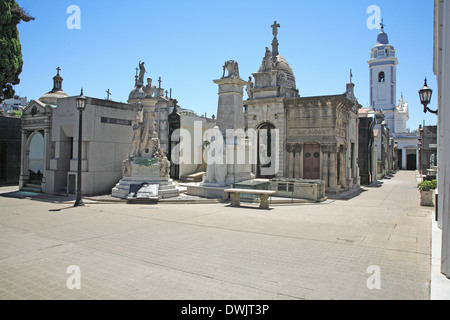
(145, 174)
(230, 122)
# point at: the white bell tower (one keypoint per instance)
(383, 70)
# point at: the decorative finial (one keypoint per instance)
(58, 70)
(382, 25)
(275, 43)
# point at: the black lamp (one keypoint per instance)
(425, 97)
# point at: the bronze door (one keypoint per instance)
(311, 161)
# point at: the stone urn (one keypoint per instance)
(426, 198)
(426, 189)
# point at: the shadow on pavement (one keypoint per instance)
(18, 194)
(348, 195)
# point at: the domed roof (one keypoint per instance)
(57, 91)
(281, 65)
(382, 38)
(52, 97)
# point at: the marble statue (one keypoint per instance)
(232, 68)
(141, 72)
(267, 61)
(136, 141)
(249, 88)
(149, 89)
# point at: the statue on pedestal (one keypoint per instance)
(141, 73)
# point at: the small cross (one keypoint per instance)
(382, 25)
(167, 93)
(58, 70)
(275, 27)
(159, 80)
(109, 94)
(137, 70)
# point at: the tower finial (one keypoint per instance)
(275, 43)
(382, 25)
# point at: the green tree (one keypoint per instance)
(10, 49)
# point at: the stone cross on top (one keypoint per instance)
(58, 70)
(275, 27)
(275, 43)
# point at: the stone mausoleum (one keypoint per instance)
(317, 137)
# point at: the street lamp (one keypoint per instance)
(425, 98)
(81, 105)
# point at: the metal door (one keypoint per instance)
(311, 161)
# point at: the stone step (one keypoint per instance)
(31, 189)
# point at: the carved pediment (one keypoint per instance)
(35, 108)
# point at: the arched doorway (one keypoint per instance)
(36, 158)
(265, 153)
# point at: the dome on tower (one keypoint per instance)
(382, 38)
(56, 93)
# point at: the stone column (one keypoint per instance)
(324, 166)
(332, 172)
(44, 170)
(300, 161)
(297, 153)
(23, 174)
(290, 155)
(344, 170)
(230, 116)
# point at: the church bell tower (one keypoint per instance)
(383, 69)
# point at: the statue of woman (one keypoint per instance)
(249, 88)
(141, 72)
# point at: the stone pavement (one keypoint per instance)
(333, 250)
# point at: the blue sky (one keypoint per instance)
(187, 42)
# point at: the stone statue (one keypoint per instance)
(232, 68)
(149, 129)
(250, 88)
(432, 160)
(267, 61)
(149, 89)
(136, 142)
(164, 163)
(216, 169)
(126, 166)
(141, 73)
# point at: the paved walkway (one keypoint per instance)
(380, 238)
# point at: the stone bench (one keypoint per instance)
(263, 196)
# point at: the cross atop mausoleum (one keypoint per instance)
(275, 27)
(275, 43)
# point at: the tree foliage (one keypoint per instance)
(10, 49)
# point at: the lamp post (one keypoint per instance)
(81, 105)
(425, 97)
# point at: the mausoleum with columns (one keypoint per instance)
(317, 137)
